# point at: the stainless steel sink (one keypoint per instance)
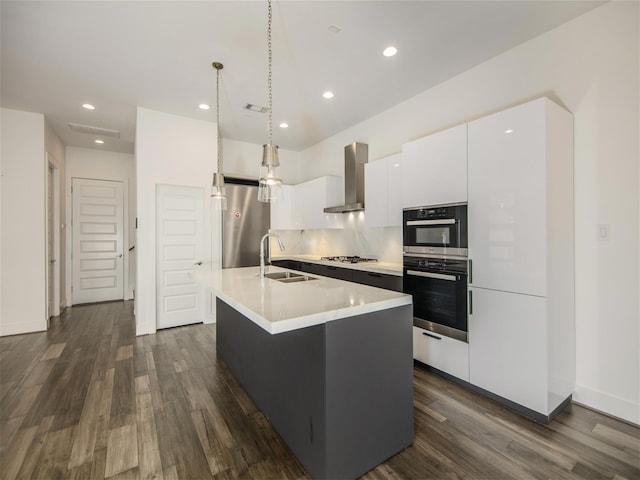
(297, 278)
(289, 277)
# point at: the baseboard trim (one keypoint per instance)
(22, 327)
(608, 404)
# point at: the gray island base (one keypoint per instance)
(340, 393)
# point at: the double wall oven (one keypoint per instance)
(435, 267)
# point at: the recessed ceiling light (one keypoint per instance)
(327, 94)
(98, 141)
(88, 106)
(203, 106)
(390, 51)
(284, 125)
(509, 131)
(396, 164)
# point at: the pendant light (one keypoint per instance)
(218, 192)
(269, 185)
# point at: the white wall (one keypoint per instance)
(590, 66)
(170, 150)
(102, 165)
(23, 277)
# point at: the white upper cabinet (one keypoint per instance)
(302, 206)
(383, 192)
(520, 195)
(434, 169)
(282, 217)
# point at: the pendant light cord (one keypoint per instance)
(219, 138)
(269, 74)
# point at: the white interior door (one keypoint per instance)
(180, 250)
(98, 239)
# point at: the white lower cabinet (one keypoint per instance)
(444, 353)
(508, 347)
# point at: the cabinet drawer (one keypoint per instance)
(309, 267)
(337, 272)
(388, 282)
(446, 354)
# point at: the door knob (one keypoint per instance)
(198, 263)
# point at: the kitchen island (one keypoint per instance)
(328, 362)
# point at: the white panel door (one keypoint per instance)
(98, 238)
(180, 250)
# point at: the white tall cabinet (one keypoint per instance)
(520, 197)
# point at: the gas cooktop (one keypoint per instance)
(349, 259)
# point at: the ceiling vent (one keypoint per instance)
(256, 108)
(103, 132)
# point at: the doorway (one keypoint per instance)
(53, 238)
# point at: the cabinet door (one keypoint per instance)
(388, 282)
(337, 272)
(282, 210)
(508, 345)
(394, 190)
(312, 197)
(309, 267)
(507, 207)
(375, 193)
(438, 351)
(434, 169)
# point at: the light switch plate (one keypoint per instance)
(603, 233)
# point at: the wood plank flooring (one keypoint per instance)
(88, 399)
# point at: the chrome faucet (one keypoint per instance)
(280, 244)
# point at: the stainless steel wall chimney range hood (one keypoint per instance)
(355, 156)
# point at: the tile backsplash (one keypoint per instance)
(383, 243)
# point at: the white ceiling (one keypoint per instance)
(119, 55)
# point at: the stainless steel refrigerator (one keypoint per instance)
(244, 222)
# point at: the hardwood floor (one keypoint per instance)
(88, 399)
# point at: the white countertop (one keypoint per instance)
(280, 307)
(375, 267)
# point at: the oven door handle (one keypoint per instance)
(437, 276)
(446, 221)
